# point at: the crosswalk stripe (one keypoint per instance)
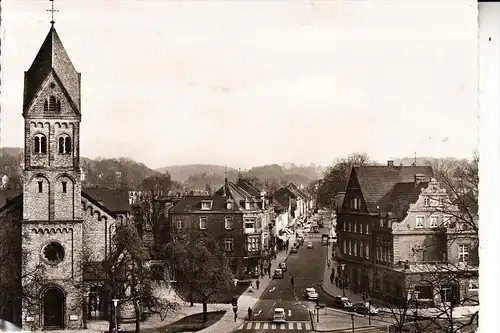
(308, 326)
(291, 325)
(257, 325)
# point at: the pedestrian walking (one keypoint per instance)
(249, 313)
(257, 283)
(331, 278)
(269, 271)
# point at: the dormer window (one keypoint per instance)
(206, 205)
(247, 205)
(64, 144)
(426, 202)
(40, 144)
(229, 205)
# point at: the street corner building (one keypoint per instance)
(400, 233)
(239, 215)
(52, 230)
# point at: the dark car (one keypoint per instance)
(365, 308)
(278, 273)
(342, 302)
(294, 249)
(300, 241)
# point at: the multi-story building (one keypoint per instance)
(373, 197)
(398, 237)
(238, 215)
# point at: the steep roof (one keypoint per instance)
(193, 203)
(115, 200)
(376, 181)
(248, 187)
(8, 195)
(52, 57)
(297, 191)
(397, 201)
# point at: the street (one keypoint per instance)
(307, 268)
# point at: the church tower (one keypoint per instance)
(52, 218)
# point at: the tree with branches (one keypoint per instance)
(201, 266)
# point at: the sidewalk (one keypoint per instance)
(247, 299)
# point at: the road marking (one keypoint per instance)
(308, 326)
(274, 288)
(289, 313)
(290, 326)
(258, 313)
(257, 326)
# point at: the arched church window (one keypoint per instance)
(46, 105)
(40, 144)
(58, 106)
(64, 144)
(52, 103)
(53, 252)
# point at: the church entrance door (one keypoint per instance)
(53, 308)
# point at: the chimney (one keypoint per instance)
(390, 163)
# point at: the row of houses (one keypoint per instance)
(250, 224)
(400, 233)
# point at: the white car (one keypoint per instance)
(279, 315)
(309, 245)
(311, 294)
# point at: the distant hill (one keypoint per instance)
(182, 173)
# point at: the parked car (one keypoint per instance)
(310, 294)
(279, 315)
(278, 273)
(282, 265)
(365, 308)
(342, 302)
(294, 249)
(309, 245)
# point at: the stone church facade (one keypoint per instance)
(52, 229)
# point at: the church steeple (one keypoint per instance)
(52, 57)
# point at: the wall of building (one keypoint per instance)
(98, 230)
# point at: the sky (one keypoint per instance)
(247, 83)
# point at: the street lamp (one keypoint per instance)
(115, 304)
(352, 321)
(343, 279)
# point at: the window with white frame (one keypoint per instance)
(206, 205)
(349, 246)
(463, 253)
(381, 222)
(203, 222)
(348, 225)
(426, 202)
(447, 219)
(367, 251)
(420, 222)
(366, 230)
(434, 221)
(355, 248)
(228, 222)
(344, 248)
(248, 205)
(228, 244)
(355, 226)
(379, 253)
(361, 249)
(440, 201)
(249, 223)
(180, 223)
(253, 244)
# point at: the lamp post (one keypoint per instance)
(352, 321)
(343, 279)
(115, 304)
(369, 311)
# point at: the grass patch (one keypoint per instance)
(222, 298)
(192, 323)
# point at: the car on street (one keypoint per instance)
(307, 229)
(309, 245)
(278, 273)
(279, 315)
(282, 265)
(300, 241)
(342, 302)
(365, 308)
(310, 294)
(294, 249)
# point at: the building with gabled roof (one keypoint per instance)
(53, 225)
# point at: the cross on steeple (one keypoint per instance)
(53, 11)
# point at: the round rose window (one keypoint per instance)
(53, 253)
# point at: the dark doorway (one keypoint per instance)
(53, 308)
(98, 303)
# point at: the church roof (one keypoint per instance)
(115, 200)
(52, 57)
